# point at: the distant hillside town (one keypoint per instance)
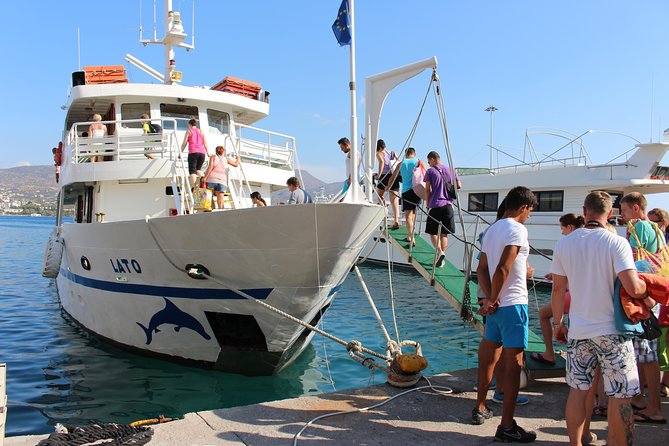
(32, 190)
(28, 190)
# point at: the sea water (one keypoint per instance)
(57, 373)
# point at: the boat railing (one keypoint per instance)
(128, 142)
(538, 165)
(261, 146)
(573, 144)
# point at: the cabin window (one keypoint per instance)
(549, 201)
(485, 202)
(219, 122)
(134, 111)
(181, 113)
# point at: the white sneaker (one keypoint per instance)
(441, 261)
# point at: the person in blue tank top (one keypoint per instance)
(404, 173)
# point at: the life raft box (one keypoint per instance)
(238, 86)
(105, 74)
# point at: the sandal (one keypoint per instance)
(664, 390)
(395, 226)
(642, 418)
(638, 408)
(599, 411)
(588, 440)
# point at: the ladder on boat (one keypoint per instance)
(449, 282)
(181, 187)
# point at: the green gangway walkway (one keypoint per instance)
(449, 282)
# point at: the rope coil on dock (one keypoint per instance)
(119, 434)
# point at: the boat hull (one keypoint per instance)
(127, 281)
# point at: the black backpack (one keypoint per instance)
(155, 128)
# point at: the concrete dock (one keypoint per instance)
(417, 418)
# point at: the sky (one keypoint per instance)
(574, 65)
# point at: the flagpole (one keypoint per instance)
(355, 184)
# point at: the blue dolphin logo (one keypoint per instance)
(171, 314)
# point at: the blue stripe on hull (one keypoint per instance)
(163, 291)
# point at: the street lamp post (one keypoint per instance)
(491, 109)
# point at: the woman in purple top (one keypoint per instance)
(385, 159)
(440, 204)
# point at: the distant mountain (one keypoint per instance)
(29, 180)
(38, 183)
(312, 185)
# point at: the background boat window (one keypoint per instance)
(219, 122)
(484, 202)
(134, 111)
(182, 114)
(549, 201)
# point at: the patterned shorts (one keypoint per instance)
(616, 356)
(645, 350)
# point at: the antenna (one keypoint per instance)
(155, 19)
(652, 103)
(192, 37)
(78, 49)
(140, 20)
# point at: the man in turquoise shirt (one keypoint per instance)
(633, 209)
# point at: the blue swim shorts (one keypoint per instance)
(508, 326)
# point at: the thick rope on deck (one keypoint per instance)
(117, 434)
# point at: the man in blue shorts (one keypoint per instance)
(502, 274)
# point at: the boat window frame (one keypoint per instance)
(212, 122)
(181, 118)
(552, 208)
(485, 195)
(132, 115)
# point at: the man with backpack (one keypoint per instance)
(150, 129)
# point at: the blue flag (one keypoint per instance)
(342, 25)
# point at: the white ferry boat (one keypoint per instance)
(141, 267)
(560, 179)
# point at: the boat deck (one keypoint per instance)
(449, 282)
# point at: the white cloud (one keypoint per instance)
(23, 164)
(322, 120)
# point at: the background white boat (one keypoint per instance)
(561, 180)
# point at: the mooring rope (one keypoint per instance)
(430, 386)
(264, 304)
(118, 434)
